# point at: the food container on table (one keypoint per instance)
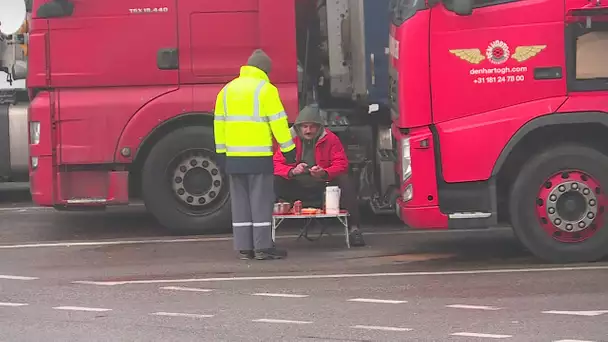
(282, 208)
(297, 207)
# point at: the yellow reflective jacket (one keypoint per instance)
(248, 113)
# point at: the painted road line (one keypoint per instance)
(284, 295)
(472, 307)
(470, 334)
(179, 288)
(280, 321)
(177, 314)
(206, 239)
(377, 301)
(33, 208)
(80, 308)
(574, 341)
(113, 243)
(578, 313)
(12, 277)
(13, 304)
(344, 276)
(372, 327)
(23, 209)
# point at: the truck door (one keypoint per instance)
(217, 37)
(487, 60)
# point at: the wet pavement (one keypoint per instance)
(118, 276)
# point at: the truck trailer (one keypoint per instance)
(453, 113)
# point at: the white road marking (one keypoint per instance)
(11, 277)
(177, 314)
(80, 308)
(23, 209)
(179, 288)
(342, 276)
(469, 334)
(209, 239)
(578, 313)
(573, 341)
(372, 327)
(112, 243)
(472, 307)
(285, 295)
(280, 321)
(12, 304)
(34, 208)
(378, 301)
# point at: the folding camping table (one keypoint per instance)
(342, 216)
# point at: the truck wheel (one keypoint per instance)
(182, 184)
(558, 204)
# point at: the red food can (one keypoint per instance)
(297, 207)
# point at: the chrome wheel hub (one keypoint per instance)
(197, 180)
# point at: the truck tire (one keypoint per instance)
(183, 186)
(558, 204)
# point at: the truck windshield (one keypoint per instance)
(402, 10)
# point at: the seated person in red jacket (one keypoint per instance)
(320, 158)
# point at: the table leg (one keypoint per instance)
(346, 231)
(276, 222)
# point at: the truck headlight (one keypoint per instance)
(34, 132)
(406, 160)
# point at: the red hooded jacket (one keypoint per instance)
(329, 154)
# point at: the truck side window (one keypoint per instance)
(591, 52)
(586, 53)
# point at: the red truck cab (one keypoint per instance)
(122, 91)
(500, 111)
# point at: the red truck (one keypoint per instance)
(500, 110)
(472, 113)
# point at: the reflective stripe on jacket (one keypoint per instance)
(248, 113)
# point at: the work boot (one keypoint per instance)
(246, 255)
(270, 254)
(356, 237)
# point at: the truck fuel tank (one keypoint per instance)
(14, 153)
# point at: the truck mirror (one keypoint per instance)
(19, 71)
(462, 7)
(12, 16)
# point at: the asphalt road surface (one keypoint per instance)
(117, 276)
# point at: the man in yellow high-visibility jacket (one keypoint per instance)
(248, 113)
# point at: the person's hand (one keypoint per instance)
(317, 171)
(298, 170)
